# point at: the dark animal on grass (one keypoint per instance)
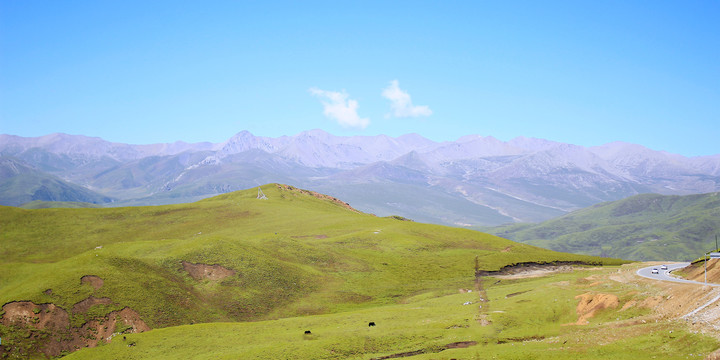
(372, 323)
(308, 332)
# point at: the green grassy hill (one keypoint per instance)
(229, 258)
(642, 227)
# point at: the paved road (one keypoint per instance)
(664, 275)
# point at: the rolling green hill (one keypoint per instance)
(642, 227)
(228, 258)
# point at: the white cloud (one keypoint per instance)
(337, 106)
(401, 104)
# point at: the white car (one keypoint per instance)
(654, 271)
(664, 267)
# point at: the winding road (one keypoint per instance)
(664, 275)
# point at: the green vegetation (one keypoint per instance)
(642, 227)
(296, 254)
(528, 318)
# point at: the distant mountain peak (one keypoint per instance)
(477, 179)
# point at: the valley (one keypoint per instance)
(72, 277)
(365, 180)
(236, 276)
(643, 227)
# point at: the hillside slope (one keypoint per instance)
(20, 184)
(71, 277)
(552, 313)
(642, 227)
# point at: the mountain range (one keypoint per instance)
(473, 181)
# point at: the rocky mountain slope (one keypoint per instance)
(475, 180)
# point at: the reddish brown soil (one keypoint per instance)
(49, 327)
(95, 281)
(42, 316)
(589, 304)
(697, 271)
(104, 328)
(43, 319)
(209, 272)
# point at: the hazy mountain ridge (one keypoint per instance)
(524, 179)
(21, 184)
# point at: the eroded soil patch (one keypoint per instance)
(590, 304)
(50, 330)
(530, 269)
(209, 272)
(95, 281)
(696, 271)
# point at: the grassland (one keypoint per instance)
(524, 318)
(298, 256)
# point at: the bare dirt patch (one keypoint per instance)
(696, 271)
(95, 281)
(532, 271)
(590, 304)
(48, 327)
(628, 305)
(210, 272)
(38, 316)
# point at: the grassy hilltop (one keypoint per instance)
(230, 258)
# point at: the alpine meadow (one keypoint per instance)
(359, 180)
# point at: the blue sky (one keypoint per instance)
(582, 72)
